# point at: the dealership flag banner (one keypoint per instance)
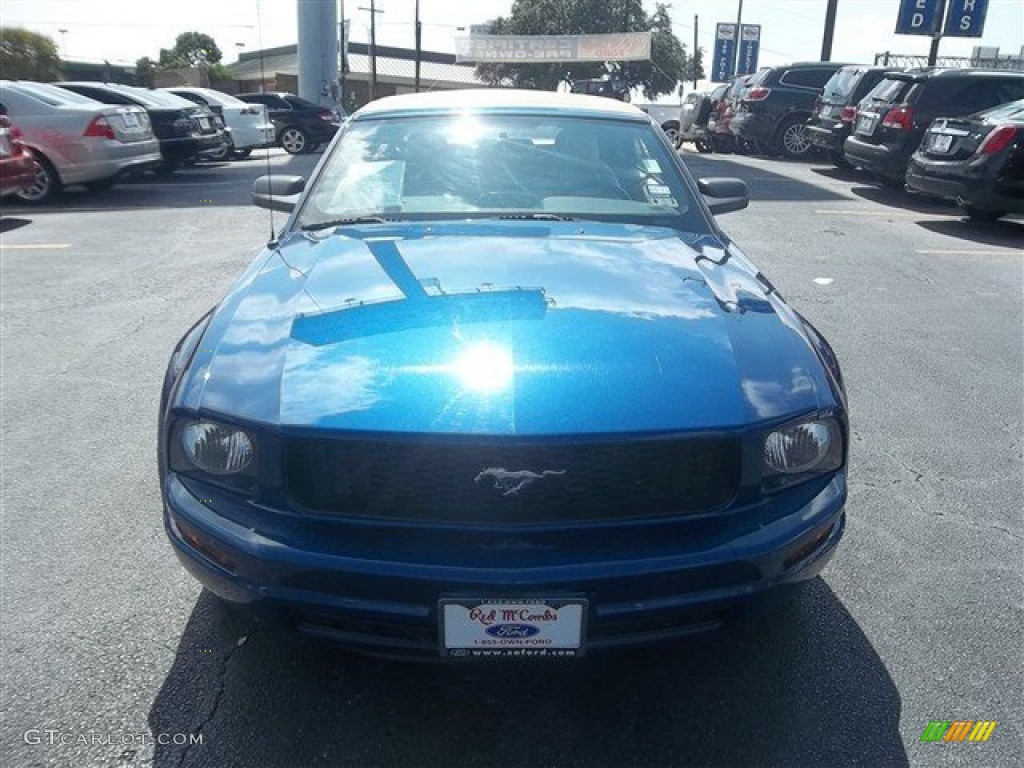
(725, 52)
(536, 49)
(750, 45)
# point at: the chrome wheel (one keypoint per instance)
(794, 140)
(294, 141)
(45, 184)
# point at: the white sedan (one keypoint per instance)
(248, 125)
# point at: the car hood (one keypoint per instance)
(525, 328)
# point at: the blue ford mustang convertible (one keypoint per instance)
(502, 387)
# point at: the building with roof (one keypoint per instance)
(278, 70)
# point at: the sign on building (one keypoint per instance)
(527, 49)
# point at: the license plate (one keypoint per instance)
(501, 628)
(866, 123)
(826, 111)
(941, 143)
(129, 120)
(6, 148)
(204, 123)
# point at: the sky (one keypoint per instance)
(122, 31)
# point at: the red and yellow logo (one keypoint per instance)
(958, 730)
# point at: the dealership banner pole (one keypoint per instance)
(739, 27)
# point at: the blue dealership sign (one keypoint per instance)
(919, 17)
(725, 52)
(750, 45)
(965, 18)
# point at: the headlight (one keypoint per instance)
(217, 448)
(814, 446)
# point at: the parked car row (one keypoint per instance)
(94, 133)
(952, 133)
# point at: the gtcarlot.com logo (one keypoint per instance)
(51, 736)
(958, 730)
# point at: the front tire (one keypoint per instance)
(294, 141)
(45, 186)
(672, 131)
(839, 160)
(793, 141)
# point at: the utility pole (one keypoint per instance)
(341, 53)
(739, 36)
(696, 21)
(373, 46)
(830, 28)
(419, 45)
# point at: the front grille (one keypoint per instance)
(504, 483)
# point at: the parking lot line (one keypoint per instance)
(841, 212)
(973, 252)
(33, 246)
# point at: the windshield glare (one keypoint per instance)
(477, 165)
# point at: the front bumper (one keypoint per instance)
(389, 604)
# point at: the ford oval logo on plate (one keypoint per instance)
(512, 630)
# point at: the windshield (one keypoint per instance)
(887, 90)
(485, 165)
(839, 88)
(1013, 110)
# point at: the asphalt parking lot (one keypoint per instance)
(918, 617)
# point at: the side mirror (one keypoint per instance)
(278, 192)
(724, 195)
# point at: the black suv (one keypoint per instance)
(301, 125)
(892, 118)
(776, 106)
(836, 110)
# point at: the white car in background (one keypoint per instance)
(76, 140)
(248, 125)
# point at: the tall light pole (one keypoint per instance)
(419, 45)
(830, 28)
(373, 46)
(64, 42)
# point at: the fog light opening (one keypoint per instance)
(802, 551)
(204, 546)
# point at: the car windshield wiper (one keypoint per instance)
(346, 222)
(537, 217)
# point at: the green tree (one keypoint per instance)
(668, 64)
(144, 69)
(26, 55)
(190, 50)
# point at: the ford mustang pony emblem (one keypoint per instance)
(511, 482)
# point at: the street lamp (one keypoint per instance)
(64, 42)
